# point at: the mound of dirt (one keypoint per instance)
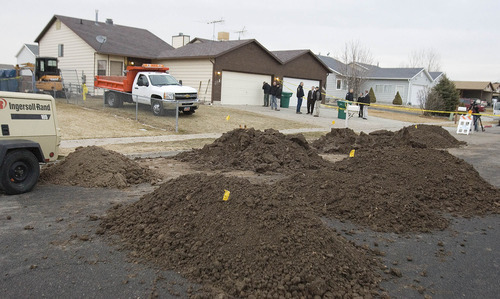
(342, 141)
(259, 151)
(258, 244)
(400, 189)
(94, 166)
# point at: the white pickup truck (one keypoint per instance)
(148, 84)
(29, 136)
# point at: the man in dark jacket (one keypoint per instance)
(300, 95)
(350, 96)
(310, 101)
(267, 90)
(361, 100)
(278, 96)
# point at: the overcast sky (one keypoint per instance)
(464, 33)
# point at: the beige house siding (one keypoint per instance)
(77, 54)
(192, 72)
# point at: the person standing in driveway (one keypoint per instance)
(310, 101)
(300, 95)
(273, 95)
(360, 104)
(349, 97)
(366, 101)
(267, 90)
(278, 96)
(317, 98)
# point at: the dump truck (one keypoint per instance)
(149, 84)
(29, 137)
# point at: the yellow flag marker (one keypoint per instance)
(351, 154)
(227, 117)
(226, 195)
(415, 126)
(333, 122)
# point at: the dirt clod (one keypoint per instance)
(342, 141)
(259, 151)
(94, 166)
(400, 189)
(258, 243)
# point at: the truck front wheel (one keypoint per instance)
(157, 107)
(113, 99)
(20, 171)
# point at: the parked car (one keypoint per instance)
(467, 102)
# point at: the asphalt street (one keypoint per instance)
(49, 247)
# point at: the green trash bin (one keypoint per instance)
(285, 99)
(342, 106)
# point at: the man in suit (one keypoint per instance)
(310, 101)
(300, 95)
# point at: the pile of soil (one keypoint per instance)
(94, 166)
(342, 141)
(259, 244)
(400, 189)
(255, 150)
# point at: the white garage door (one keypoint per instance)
(242, 88)
(416, 91)
(291, 84)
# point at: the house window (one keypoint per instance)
(101, 67)
(60, 50)
(387, 88)
(339, 84)
(379, 88)
(116, 68)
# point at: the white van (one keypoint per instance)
(29, 136)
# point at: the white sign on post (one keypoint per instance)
(464, 124)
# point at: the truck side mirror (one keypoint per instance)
(180, 82)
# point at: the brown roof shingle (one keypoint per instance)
(121, 40)
(473, 85)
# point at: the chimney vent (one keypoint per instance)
(109, 21)
(97, 17)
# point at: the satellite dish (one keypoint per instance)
(101, 39)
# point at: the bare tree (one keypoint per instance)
(426, 58)
(356, 64)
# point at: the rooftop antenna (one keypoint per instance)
(215, 22)
(241, 32)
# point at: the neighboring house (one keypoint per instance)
(475, 90)
(232, 72)
(27, 54)
(87, 48)
(386, 82)
(227, 72)
(496, 90)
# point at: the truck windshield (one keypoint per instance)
(164, 79)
